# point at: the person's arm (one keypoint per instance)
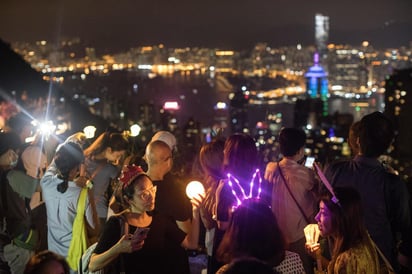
(99, 261)
(107, 249)
(192, 237)
(270, 171)
(93, 223)
(224, 202)
(207, 220)
(184, 225)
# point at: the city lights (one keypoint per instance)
(171, 105)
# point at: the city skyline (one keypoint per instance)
(116, 26)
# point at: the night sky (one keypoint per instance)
(119, 24)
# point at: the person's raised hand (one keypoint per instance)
(270, 171)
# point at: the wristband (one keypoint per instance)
(89, 184)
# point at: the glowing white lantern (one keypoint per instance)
(89, 131)
(135, 130)
(194, 189)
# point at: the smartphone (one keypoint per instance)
(140, 234)
(309, 162)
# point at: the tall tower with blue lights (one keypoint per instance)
(317, 84)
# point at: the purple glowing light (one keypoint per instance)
(240, 197)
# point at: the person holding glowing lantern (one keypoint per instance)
(211, 163)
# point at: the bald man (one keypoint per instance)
(170, 197)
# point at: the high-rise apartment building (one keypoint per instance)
(398, 107)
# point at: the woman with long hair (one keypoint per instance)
(211, 163)
(240, 159)
(352, 250)
(101, 160)
(254, 232)
(240, 162)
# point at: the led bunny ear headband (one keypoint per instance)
(326, 183)
(238, 191)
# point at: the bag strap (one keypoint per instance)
(291, 194)
(382, 256)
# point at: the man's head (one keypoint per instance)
(166, 137)
(291, 141)
(376, 133)
(159, 158)
(34, 161)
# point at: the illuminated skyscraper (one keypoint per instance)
(321, 35)
(317, 91)
(317, 80)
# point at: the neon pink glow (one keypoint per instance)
(173, 105)
(240, 197)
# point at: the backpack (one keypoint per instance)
(85, 260)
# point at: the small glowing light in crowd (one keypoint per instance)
(194, 189)
(135, 130)
(89, 131)
(221, 105)
(149, 67)
(47, 128)
(171, 105)
(312, 235)
(212, 68)
(62, 128)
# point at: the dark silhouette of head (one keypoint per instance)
(68, 157)
(253, 231)
(46, 261)
(376, 133)
(291, 140)
(240, 156)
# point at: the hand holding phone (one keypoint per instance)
(140, 234)
(309, 162)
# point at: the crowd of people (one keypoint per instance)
(134, 207)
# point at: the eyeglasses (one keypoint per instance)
(146, 194)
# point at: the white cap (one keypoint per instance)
(166, 137)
